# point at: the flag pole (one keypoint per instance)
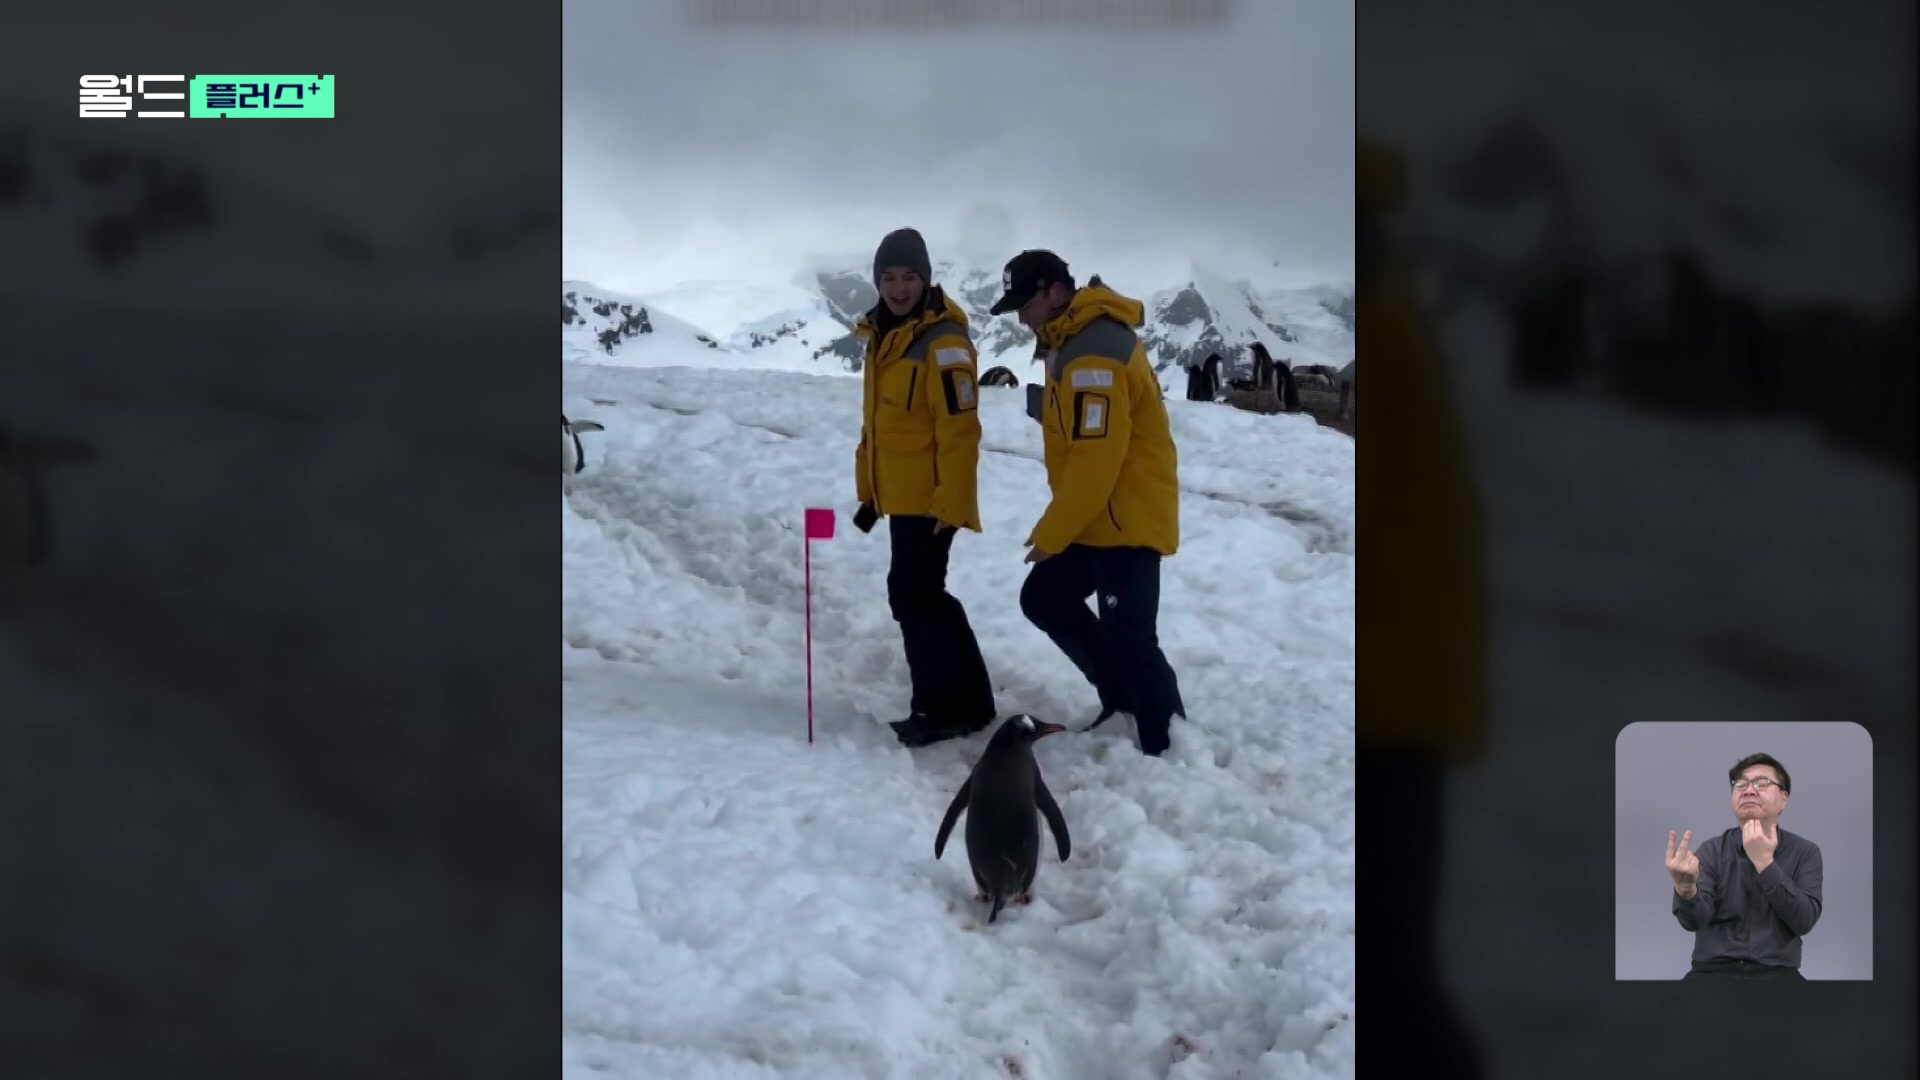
(818, 526)
(807, 542)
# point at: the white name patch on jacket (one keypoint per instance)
(950, 357)
(1090, 377)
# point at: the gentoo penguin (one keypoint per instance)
(573, 457)
(1000, 797)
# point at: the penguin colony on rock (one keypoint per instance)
(1000, 797)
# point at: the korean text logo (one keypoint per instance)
(206, 97)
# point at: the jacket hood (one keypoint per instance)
(1092, 301)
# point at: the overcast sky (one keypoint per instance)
(695, 152)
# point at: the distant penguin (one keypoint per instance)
(1203, 379)
(573, 456)
(1000, 797)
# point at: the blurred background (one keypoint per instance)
(247, 762)
(1665, 256)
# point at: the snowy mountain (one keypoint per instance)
(596, 322)
(141, 220)
(143, 216)
(806, 324)
(1194, 314)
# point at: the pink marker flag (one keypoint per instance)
(819, 523)
(819, 526)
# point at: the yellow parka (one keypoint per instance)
(1422, 591)
(1111, 462)
(920, 423)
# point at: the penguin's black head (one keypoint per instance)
(1023, 730)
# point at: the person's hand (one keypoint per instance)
(1682, 865)
(1034, 554)
(864, 518)
(1760, 844)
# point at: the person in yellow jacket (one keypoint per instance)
(1113, 473)
(915, 466)
(1422, 604)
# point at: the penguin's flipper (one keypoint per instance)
(1051, 811)
(575, 427)
(958, 804)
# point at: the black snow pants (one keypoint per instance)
(949, 676)
(1117, 650)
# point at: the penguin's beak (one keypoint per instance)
(1042, 728)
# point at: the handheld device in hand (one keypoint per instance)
(1036, 400)
(864, 518)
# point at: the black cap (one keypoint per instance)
(1026, 274)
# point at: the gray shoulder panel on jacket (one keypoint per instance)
(1104, 336)
(917, 349)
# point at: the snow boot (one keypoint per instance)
(1126, 725)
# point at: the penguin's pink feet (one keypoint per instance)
(981, 897)
(1023, 899)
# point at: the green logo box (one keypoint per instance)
(260, 97)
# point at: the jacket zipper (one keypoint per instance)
(873, 413)
(873, 423)
(914, 380)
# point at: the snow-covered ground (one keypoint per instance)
(739, 903)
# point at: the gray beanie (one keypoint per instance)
(903, 247)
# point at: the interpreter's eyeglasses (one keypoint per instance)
(1758, 783)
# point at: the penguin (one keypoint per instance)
(1000, 797)
(573, 457)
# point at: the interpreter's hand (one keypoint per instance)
(1760, 843)
(1682, 865)
(1034, 555)
(864, 517)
